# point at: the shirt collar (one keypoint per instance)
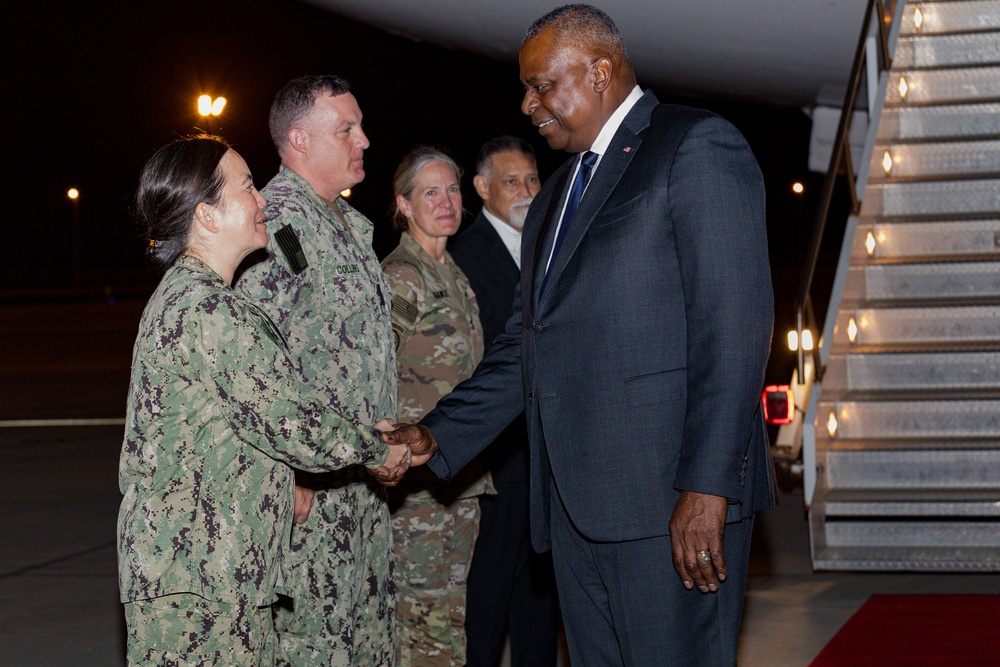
(614, 122)
(510, 237)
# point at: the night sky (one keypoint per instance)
(94, 88)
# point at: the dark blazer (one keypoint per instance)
(640, 367)
(493, 275)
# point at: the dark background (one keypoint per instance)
(94, 88)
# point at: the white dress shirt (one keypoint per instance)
(511, 237)
(600, 147)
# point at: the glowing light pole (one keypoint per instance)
(74, 200)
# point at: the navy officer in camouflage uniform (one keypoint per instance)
(216, 414)
(439, 341)
(322, 284)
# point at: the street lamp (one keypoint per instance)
(209, 107)
(74, 199)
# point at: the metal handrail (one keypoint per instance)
(841, 156)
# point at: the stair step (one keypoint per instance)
(888, 282)
(955, 50)
(973, 84)
(918, 559)
(939, 122)
(902, 419)
(904, 502)
(938, 160)
(921, 199)
(914, 534)
(917, 471)
(938, 370)
(927, 324)
(935, 238)
(943, 17)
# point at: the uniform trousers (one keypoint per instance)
(186, 629)
(342, 609)
(432, 545)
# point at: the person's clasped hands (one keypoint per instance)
(409, 445)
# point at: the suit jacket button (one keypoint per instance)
(537, 326)
(531, 397)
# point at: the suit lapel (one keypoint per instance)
(495, 248)
(536, 238)
(623, 147)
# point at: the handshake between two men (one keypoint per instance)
(409, 445)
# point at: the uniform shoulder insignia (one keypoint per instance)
(290, 246)
(405, 310)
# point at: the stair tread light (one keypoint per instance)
(870, 244)
(779, 404)
(852, 330)
(798, 188)
(918, 18)
(831, 424)
(902, 88)
(887, 162)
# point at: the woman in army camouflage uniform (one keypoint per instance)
(439, 341)
(215, 418)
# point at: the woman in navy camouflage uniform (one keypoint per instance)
(215, 418)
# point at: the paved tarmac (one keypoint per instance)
(63, 381)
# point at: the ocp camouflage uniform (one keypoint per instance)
(335, 315)
(439, 341)
(215, 411)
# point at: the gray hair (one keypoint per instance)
(296, 100)
(406, 175)
(583, 25)
(502, 144)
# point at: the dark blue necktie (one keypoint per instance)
(587, 163)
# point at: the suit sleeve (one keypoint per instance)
(717, 206)
(468, 419)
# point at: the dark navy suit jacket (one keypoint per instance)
(640, 367)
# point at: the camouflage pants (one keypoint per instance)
(433, 544)
(339, 568)
(185, 629)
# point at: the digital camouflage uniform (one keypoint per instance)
(214, 409)
(439, 341)
(335, 316)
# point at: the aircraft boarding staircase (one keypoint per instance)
(902, 428)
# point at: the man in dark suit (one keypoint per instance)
(510, 586)
(637, 348)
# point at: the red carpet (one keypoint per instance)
(915, 630)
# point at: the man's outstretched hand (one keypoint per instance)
(392, 471)
(409, 445)
(418, 438)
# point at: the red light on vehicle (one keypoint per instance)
(779, 404)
